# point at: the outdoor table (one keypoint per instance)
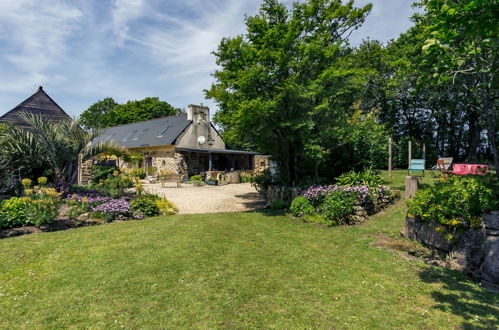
(474, 169)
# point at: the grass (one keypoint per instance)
(234, 270)
(397, 181)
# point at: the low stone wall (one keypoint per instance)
(475, 252)
(362, 211)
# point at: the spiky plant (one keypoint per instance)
(46, 144)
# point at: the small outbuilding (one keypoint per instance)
(40, 104)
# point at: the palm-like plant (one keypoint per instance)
(52, 145)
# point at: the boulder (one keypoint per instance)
(491, 220)
(490, 267)
(467, 254)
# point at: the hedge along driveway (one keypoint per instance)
(232, 270)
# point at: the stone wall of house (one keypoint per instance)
(261, 163)
(169, 161)
(474, 252)
(85, 175)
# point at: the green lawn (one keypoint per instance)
(397, 181)
(234, 270)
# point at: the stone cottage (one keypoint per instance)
(186, 144)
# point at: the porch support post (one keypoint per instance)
(210, 161)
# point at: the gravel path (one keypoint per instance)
(209, 199)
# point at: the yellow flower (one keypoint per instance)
(26, 183)
(440, 229)
(410, 215)
(42, 180)
(116, 173)
(28, 192)
(84, 199)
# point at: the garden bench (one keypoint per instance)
(417, 166)
(177, 178)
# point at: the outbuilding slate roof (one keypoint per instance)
(149, 133)
(39, 103)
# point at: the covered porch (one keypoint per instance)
(200, 160)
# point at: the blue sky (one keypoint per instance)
(82, 51)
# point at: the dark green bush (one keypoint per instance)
(337, 207)
(102, 172)
(279, 204)
(146, 205)
(13, 212)
(370, 178)
(301, 206)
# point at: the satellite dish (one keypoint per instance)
(201, 139)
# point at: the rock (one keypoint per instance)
(491, 232)
(426, 233)
(467, 255)
(412, 226)
(490, 267)
(491, 220)
(83, 217)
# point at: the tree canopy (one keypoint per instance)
(293, 87)
(107, 112)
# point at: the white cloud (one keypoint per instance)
(37, 32)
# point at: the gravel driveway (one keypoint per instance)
(209, 199)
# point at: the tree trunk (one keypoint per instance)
(474, 136)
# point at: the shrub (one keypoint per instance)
(247, 178)
(13, 212)
(369, 178)
(196, 178)
(43, 211)
(114, 186)
(337, 207)
(166, 207)
(301, 206)
(279, 204)
(102, 172)
(145, 205)
(456, 202)
(137, 173)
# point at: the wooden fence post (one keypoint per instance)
(411, 186)
(390, 157)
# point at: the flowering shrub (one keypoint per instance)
(335, 204)
(113, 209)
(456, 202)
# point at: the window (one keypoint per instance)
(138, 136)
(107, 138)
(163, 132)
(129, 135)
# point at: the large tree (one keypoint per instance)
(107, 112)
(463, 48)
(287, 83)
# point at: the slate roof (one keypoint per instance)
(38, 103)
(149, 133)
